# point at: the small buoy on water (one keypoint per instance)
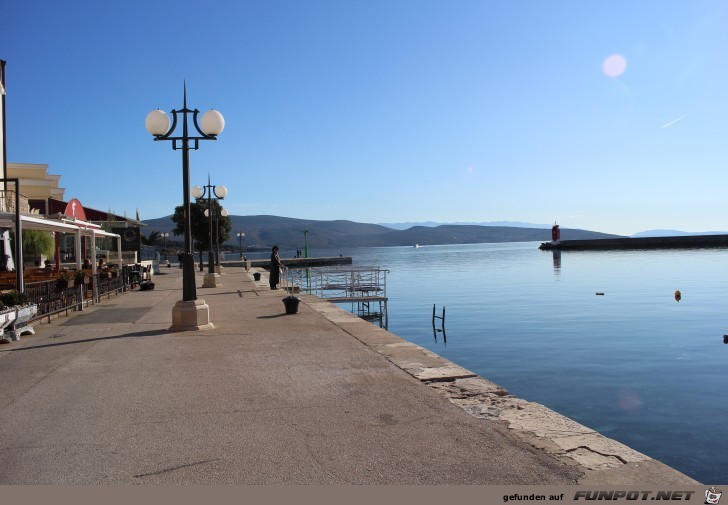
(678, 296)
(600, 293)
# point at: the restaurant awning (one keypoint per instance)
(60, 225)
(88, 228)
(7, 220)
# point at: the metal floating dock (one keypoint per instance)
(364, 287)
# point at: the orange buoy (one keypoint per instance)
(678, 295)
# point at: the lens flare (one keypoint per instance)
(614, 65)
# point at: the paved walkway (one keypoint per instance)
(109, 395)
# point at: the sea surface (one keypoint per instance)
(634, 363)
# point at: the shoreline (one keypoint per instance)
(605, 461)
(313, 387)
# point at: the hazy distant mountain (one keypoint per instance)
(432, 224)
(674, 233)
(288, 233)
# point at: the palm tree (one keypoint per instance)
(152, 239)
(37, 243)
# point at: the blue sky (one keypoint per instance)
(384, 111)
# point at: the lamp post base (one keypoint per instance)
(212, 280)
(191, 315)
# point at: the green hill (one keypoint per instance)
(264, 231)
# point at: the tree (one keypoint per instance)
(37, 243)
(152, 239)
(200, 225)
(108, 226)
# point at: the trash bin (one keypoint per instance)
(291, 304)
(256, 276)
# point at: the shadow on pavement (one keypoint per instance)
(138, 334)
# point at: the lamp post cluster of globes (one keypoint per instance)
(164, 236)
(241, 236)
(200, 193)
(190, 313)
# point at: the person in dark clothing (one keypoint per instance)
(275, 268)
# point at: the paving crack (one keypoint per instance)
(587, 448)
(173, 468)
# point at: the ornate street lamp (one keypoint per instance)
(224, 213)
(240, 236)
(190, 313)
(164, 236)
(219, 193)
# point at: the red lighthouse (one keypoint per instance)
(555, 233)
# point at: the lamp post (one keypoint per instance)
(190, 313)
(216, 216)
(240, 236)
(305, 242)
(219, 193)
(223, 213)
(164, 236)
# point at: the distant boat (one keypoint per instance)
(417, 246)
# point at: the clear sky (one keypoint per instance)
(604, 115)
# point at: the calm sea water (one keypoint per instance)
(633, 364)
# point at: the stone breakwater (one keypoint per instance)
(605, 244)
(292, 262)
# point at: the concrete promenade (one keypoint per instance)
(109, 396)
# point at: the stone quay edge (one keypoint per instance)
(109, 395)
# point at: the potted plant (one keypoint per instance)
(7, 316)
(15, 313)
(291, 304)
(81, 277)
(66, 279)
(13, 298)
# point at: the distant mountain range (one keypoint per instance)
(432, 224)
(646, 233)
(288, 233)
(674, 233)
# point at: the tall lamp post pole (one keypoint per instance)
(223, 213)
(216, 216)
(240, 235)
(305, 242)
(188, 314)
(219, 193)
(164, 236)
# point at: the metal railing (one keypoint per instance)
(364, 287)
(340, 282)
(105, 285)
(7, 202)
(53, 296)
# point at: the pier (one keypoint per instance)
(291, 262)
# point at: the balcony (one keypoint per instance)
(7, 202)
